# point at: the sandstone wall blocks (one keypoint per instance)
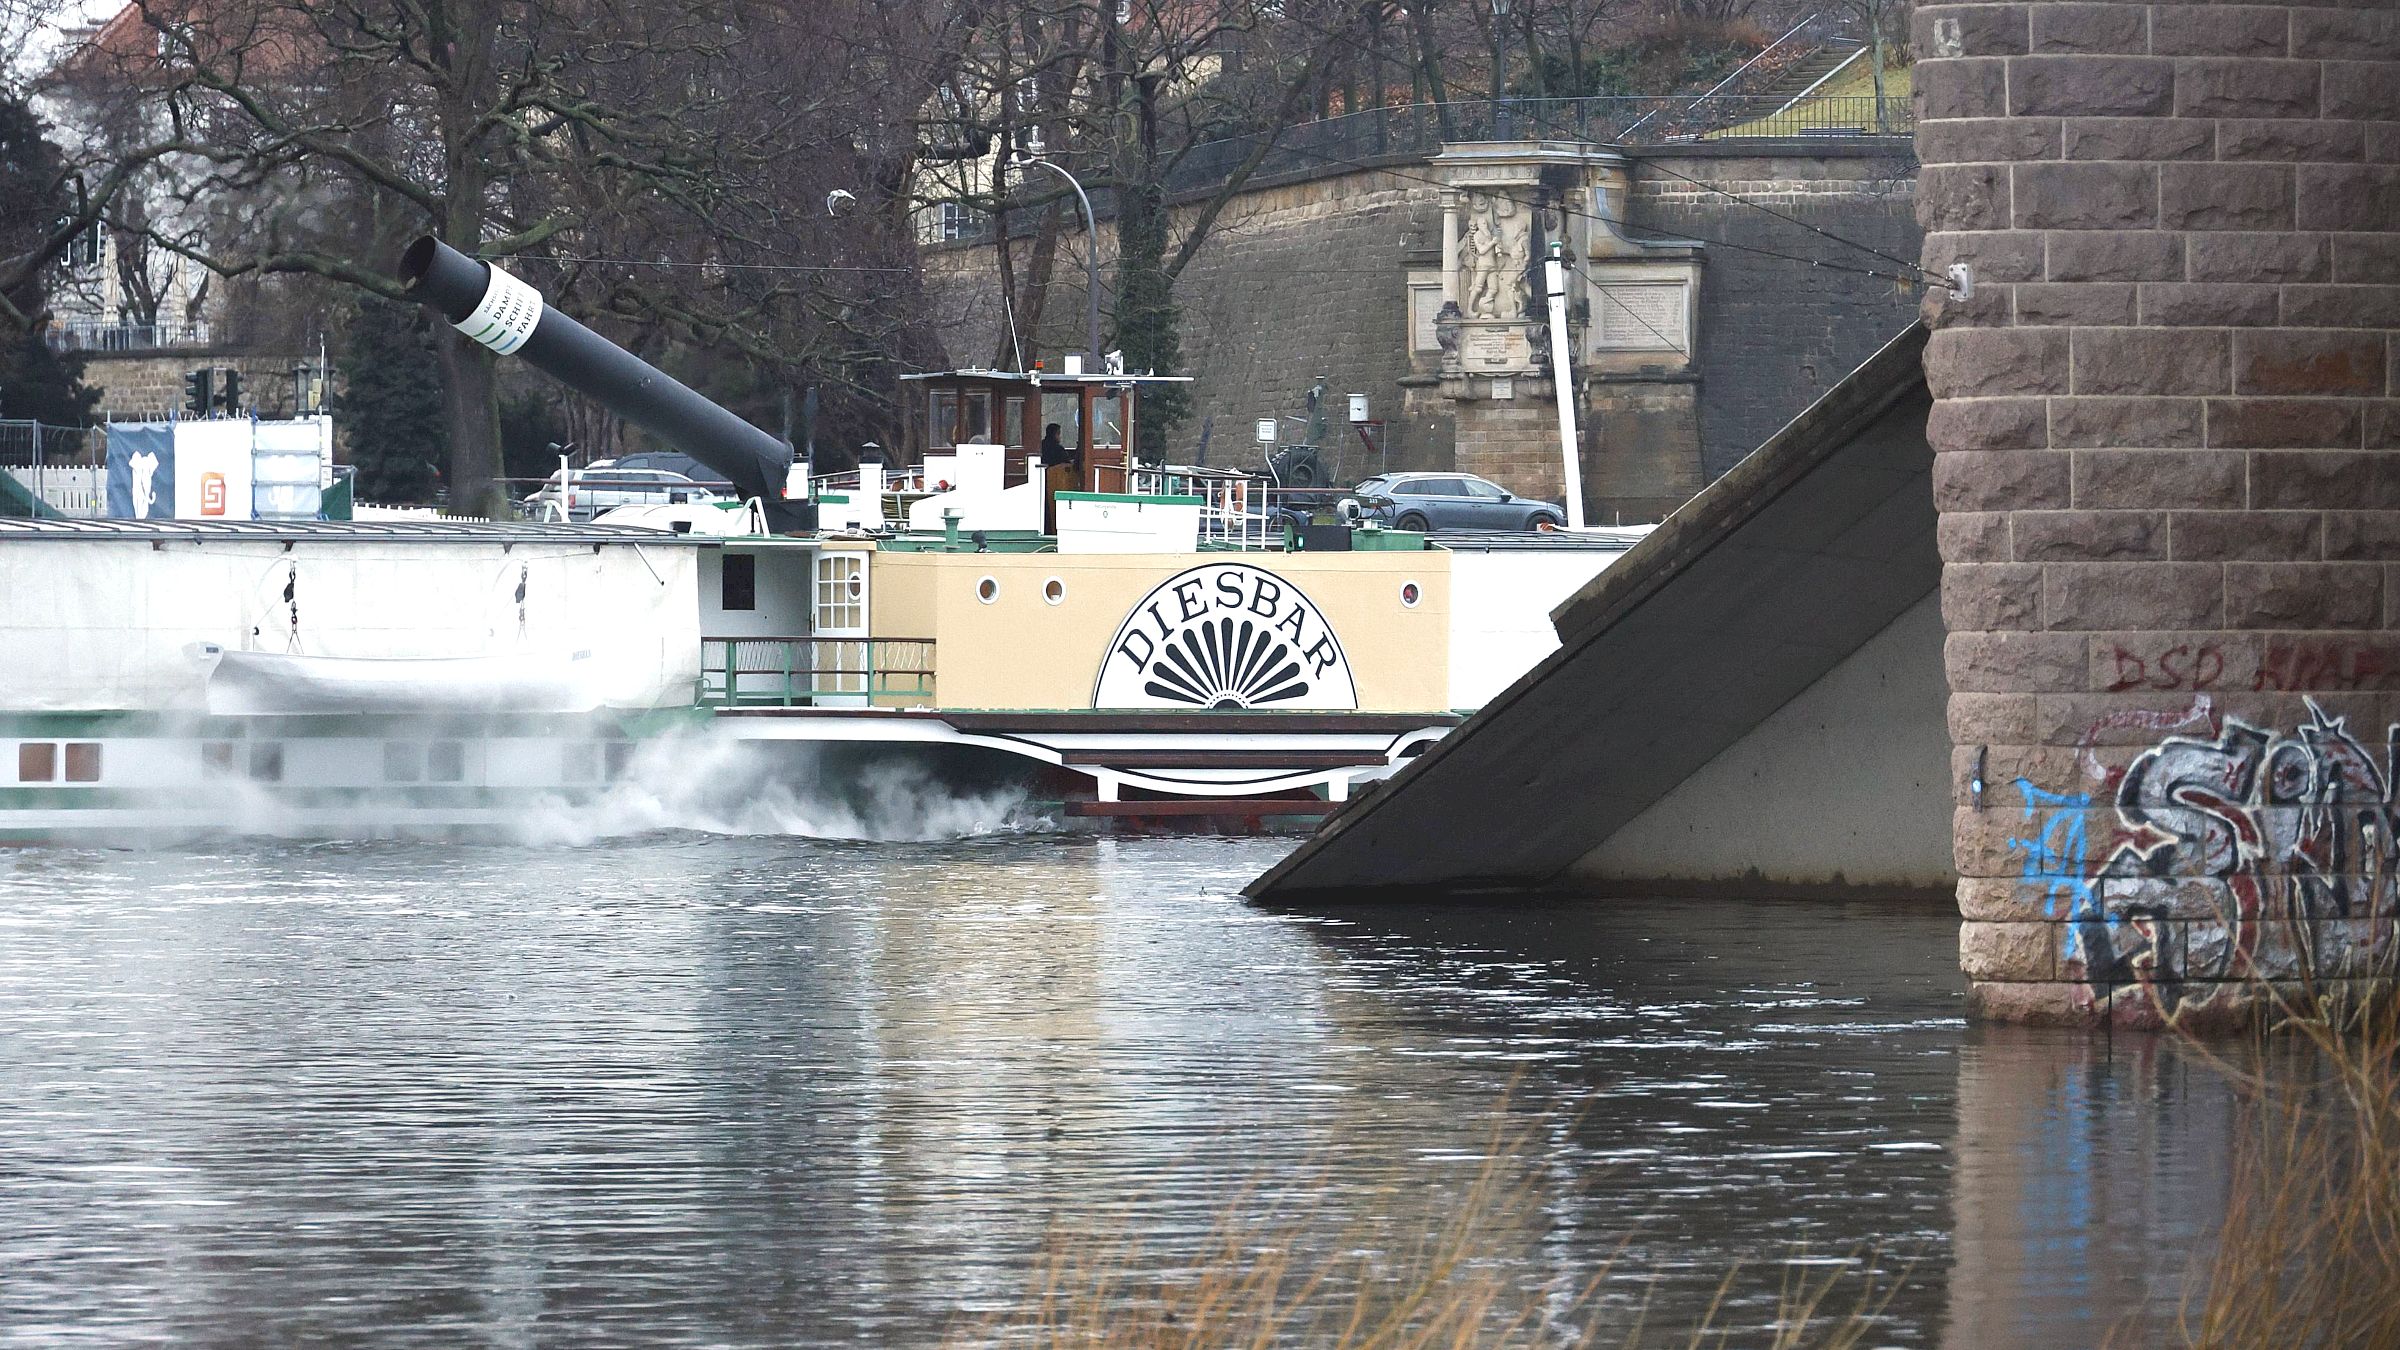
(2251, 536)
(2303, 595)
(1985, 140)
(2115, 255)
(2246, 86)
(2014, 663)
(2225, 196)
(2024, 951)
(2362, 536)
(1963, 197)
(2134, 361)
(2000, 424)
(2344, 306)
(2088, 29)
(2331, 480)
(1992, 597)
(1976, 363)
(2087, 597)
(2063, 304)
(2146, 666)
(2143, 138)
(2349, 196)
(2259, 257)
(1950, 88)
(2089, 86)
(2382, 431)
(2211, 30)
(1991, 718)
(1989, 480)
(2164, 423)
(2098, 195)
(1969, 30)
(2357, 89)
(2371, 34)
(2040, 535)
(2148, 479)
(2309, 361)
(2017, 255)
(1972, 536)
(2290, 423)
(2290, 141)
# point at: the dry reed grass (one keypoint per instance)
(1461, 1284)
(2309, 1254)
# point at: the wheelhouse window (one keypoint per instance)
(83, 761)
(37, 762)
(446, 762)
(266, 762)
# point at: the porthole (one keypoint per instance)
(1054, 591)
(987, 590)
(1410, 594)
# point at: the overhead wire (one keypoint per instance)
(725, 266)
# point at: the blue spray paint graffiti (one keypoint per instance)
(2054, 856)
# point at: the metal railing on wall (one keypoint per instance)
(801, 672)
(1418, 131)
(96, 335)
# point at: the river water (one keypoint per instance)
(690, 1090)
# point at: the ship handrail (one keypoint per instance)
(753, 671)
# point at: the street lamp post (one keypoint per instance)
(1499, 74)
(1091, 255)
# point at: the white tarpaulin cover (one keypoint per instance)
(249, 684)
(106, 624)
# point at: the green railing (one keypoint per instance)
(775, 672)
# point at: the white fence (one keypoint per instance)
(76, 490)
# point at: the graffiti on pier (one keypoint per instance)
(2054, 850)
(2243, 854)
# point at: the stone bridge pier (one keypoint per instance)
(2167, 466)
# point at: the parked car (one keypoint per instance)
(607, 484)
(675, 461)
(1447, 501)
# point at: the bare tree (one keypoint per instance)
(314, 136)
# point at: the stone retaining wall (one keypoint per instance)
(1308, 278)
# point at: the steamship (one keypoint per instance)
(1143, 642)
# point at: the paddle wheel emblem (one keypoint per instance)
(1225, 636)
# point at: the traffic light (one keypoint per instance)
(229, 390)
(197, 398)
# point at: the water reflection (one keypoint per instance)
(765, 1092)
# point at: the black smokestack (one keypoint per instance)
(510, 317)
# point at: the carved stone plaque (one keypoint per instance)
(1640, 316)
(1490, 348)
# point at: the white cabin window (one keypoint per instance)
(83, 761)
(446, 762)
(579, 762)
(37, 762)
(403, 762)
(841, 599)
(266, 762)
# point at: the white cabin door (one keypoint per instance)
(838, 622)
